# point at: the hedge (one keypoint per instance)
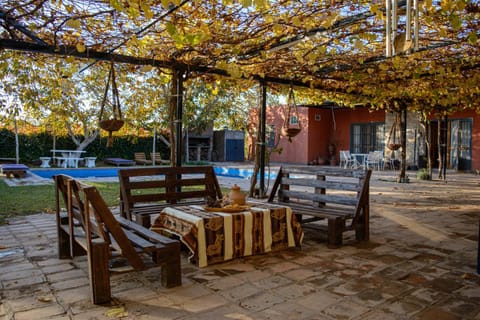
(33, 146)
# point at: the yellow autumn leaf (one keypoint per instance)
(116, 313)
(73, 23)
(80, 47)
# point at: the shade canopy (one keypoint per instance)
(337, 47)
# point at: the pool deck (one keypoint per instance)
(420, 263)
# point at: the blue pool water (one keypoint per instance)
(77, 173)
(112, 172)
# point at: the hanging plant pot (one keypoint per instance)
(111, 124)
(394, 146)
(290, 132)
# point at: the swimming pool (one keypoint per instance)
(113, 172)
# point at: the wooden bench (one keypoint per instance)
(15, 170)
(113, 244)
(335, 195)
(147, 191)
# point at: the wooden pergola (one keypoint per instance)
(334, 47)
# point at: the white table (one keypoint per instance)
(45, 162)
(90, 162)
(361, 158)
(68, 158)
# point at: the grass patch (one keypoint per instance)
(25, 200)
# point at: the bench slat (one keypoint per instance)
(333, 185)
(318, 197)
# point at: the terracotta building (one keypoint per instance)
(328, 129)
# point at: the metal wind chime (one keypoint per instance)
(398, 40)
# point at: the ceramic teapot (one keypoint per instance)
(236, 195)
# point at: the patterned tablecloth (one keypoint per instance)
(214, 237)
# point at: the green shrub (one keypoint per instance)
(423, 174)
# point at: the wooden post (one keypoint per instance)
(261, 136)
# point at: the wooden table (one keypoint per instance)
(214, 237)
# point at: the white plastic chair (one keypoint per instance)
(347, 160)
(374, 160)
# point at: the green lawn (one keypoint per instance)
(24, 200)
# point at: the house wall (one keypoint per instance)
(320, 127)
(296, 150)
(344, 118)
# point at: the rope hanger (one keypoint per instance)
(291, 126)
(115, 121)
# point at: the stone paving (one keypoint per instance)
(419, 264)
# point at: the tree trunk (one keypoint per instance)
(440, 147)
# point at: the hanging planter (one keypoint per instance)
(394, 146)
(393, 142)
(111, 124)
(290, 132)
(291, 127)
(114, 122)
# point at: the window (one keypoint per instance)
(293, 120)
(366, 137)
(270, 135)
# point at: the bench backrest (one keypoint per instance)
(314, 186)
(166, 184)
(86, 206)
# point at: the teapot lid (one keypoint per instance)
(235, 187)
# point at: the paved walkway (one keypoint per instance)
(419, 264)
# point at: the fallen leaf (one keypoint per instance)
(116, 313)
(44, 299)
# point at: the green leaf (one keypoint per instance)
(171, 29)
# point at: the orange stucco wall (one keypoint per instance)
(320, 127)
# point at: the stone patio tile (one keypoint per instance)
(30, 302)
(307, 260)
(40, 313)
(465, 308)
(240, 292)
(370, 297)
(203, 303)
(69, 284)
(300, 274)
(23, 282)
(318, 301)
(70, 274)
(283, 267)
(236, 267)
(254, 276)
(471, 292)
(427, 296)
(136, 294)
(224, 283)
(404, 307)
(261, 301)
(180, 294)
(437, 313)
(380, 315)
(285, 311)
(350, 288)
(57, 268)
(324, 280)
(345, 309)
(20, 274)
(71, 296)
(224, 312)
(272, 282)
(294, 291)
